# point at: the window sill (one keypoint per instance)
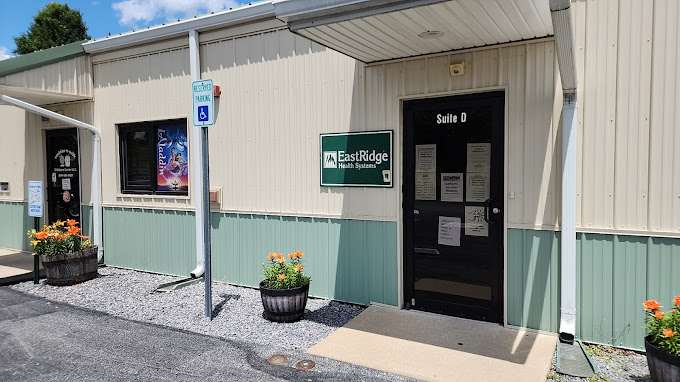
(152, 197)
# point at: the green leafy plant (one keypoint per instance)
(280, 273)
(58, 238)
(663, 328)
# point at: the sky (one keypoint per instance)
(103, 16)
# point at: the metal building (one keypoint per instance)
(492, 216)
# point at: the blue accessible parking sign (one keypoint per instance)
(204, 103)
(203, 113)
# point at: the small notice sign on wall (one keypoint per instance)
(361, 159)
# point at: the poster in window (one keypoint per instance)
(173, 159)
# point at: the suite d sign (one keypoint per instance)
(361, 159)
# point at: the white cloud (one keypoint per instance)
(5, 53)
(141, 12)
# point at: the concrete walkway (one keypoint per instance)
(438, 348)
(48, 341)
(15, 266)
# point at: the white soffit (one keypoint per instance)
(391, 34)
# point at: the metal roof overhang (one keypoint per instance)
(38, 97)
(380, 30)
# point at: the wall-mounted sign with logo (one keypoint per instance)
(361, 159)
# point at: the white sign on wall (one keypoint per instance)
(35, 198)
(203, 102)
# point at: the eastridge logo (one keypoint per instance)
(330, 159)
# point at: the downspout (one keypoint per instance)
(560, 11)
(96, 191)
(197, 146)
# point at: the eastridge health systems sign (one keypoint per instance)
(361, 159)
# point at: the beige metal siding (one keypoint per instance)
(72, 77)
(627, 54)
(527, 72)
(13, 157)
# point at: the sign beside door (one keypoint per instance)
(361, 159)
(35, 198)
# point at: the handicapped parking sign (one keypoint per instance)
(203, 113)
(203, 103)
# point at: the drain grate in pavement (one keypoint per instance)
(305, 364)
(278, 359)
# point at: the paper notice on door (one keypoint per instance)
(426, 186)
(426, 158)
(475, 225)
(478, 157)
(66, 184)
(477, 186)
(449, 231)
(452, 187)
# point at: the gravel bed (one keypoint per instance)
(237, 310)
(611, 365)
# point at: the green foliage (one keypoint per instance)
(280, 273)
(664, 327)
(58, 238)
(56, 24)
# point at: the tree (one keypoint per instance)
(56, 24)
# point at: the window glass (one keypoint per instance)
(154, 158)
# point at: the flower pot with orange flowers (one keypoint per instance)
(663, 341)
(67, 256)
(285, 287)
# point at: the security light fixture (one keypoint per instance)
(428, 35)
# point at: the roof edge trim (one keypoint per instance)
(245, 14)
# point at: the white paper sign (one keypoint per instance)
(475, 225)
(35, 198)
(452, 186)
(477, 184)
(478, 157)
(426, 158)
(426, 186)
(65, 184)
(449, 231)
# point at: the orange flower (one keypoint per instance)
(677, 301)
(298, 267)
(668, 333)
(73, 230)
(296, 255)
(658, 314)
(281, 277)
(40, 235)
(280, 259)
(651, 305)
(71, 222)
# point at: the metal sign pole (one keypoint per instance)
(207, 275)
(36, 258)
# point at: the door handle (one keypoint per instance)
(487, 206)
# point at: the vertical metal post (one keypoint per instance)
(36, 258)
(207, 275)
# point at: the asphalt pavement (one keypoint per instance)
(42, 340)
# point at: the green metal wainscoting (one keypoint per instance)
(14, 223)
(348, 260)
(615, 273)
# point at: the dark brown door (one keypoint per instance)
(453, 205)
(63, 174)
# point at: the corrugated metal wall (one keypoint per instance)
(627, 61)
(72, 76)
(615, 274)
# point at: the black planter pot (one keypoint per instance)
(284, 305)
(663, 367)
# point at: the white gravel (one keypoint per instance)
(238, 311)
(611, 365)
